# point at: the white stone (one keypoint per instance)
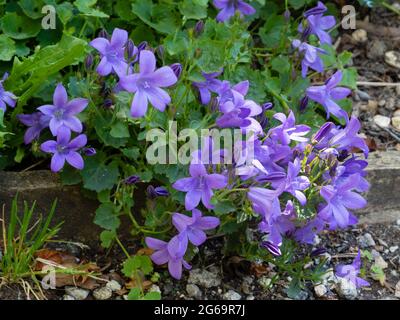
(346, 289)
(102, 293)
(382, 121)
(397, 292)
(366, 240)
(360, 35)
(396, 122)
(77, 293)
(232, 295)
(393, 249)
(320, 290)
(68, 297)
(155, 288)
(380, 263)
(204, 278)
(392, 58)
(113, 285)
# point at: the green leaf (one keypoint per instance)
(70, 176)
(134, 294)
(103, 130)
(154, 295)
(123, 10)
(107, 237)
(97, 175)
(120, 130)
(135, 263)
(194, 9)
(161, 17)
(349, 78)
(280, 64)
(85, 6)
(7, 48)
(65, 12)
(106, 217)
(33, 9)
(132, 153)
(212, 55)
(224, 207)
(19, 27)
(271, 32)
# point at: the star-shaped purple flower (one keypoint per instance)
(36, 122)
(327, 94)
(112, 53)
(147, 85)
(211, 84)
(229, 7)
(311, 58)
(340, 198)
(62, 112)
(194, 226)
(171, 252)
(351, 271)
(293, 183)
(6, 97)
(317, 23)
(65, 150)
(288, 130)
(200, 186)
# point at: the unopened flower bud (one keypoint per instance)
(104, 34)
(160, 52)
(108, 103)
(132, 180)
(89, 151)
(318, 252)
(303, 103)
(274, 249)
(142, 46)
(177, 69)
(198, 28)
(156, 192)
(131, 50)
(287, 15)
(88, 62)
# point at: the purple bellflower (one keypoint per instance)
(293, 183)
(307, 233)
(211, 84)
(62, 112)
(317, 23)
(311, 57)
(229, 7)
(288, 130)
(147, 85)
(6, 97)
(351, 271)
(65, 150)
(339, 198)
(199, 186)
(112, 53)
(36, 122)
(171, 252)
(327, 94)
(194, 226)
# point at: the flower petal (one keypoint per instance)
(60, 97)
(100, 44)
(139, 104)
(75, 160)
(57, 162)
(119, 38)
(147, 62)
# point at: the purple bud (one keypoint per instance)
(142, 46)
(274, 249)
(322, 132)
(177, 69)
(132, 180)
(89, 62)
(108, 103)
(131, 50)
(267, 106)
(214, 104)
(287, 15)
(318, 252)
(319, 9)
(160, 52)
(306, 33)
(303, 104)
(89, 151)
(198, 28)
(156, 192)
(5, 76)
(104, 34)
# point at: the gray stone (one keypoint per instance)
(366, 241)
(193, 291)
(250, 297)
(68, 297)
(329, 279)
(113, 285)
(320, 290)
(393, 249)
(155, 288)
(232, 295)
(102, 293)
(265, 282)
(204, 278)
(376, 49)
(363, 95)
(396, 123)
(346, 289)
(77, 293)
(380, 263)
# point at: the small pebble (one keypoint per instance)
(77, 293)
(396, 123)
(68, 297)
(397, 293)
(360, 35)
(232, 295)
(102, 293)
(392, 58)
(382, 121)
(320, 290)
(193, 291)
(113, 285)
(346, 289)
(393, 249)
